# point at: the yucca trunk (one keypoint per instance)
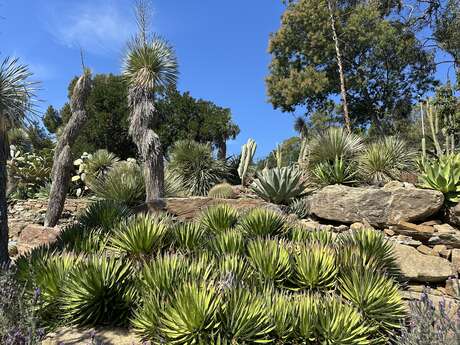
(62, 163)
(147, 141)
(222, 149)
(4, 256)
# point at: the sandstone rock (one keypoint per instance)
(452, 215)
(451, 240)
(442, 250)
(426, 250)
(407, 240)
(418, 232)
(389, 232)
(455, 258)
(34, 235)
(106, 336)
(416, 267)
(341, 228)
(310, 224)
(452, 287)
(432, 222)
(188, 208)
(445, 229)
(452, 305)
(379, 206)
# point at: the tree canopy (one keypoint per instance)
(386, 67)
(180, 116)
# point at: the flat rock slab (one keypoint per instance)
(417, 267)
(380, 207)
(34, 235)
(109, 336)
(189, 208)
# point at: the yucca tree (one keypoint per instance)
(150, 67)
(16, 102)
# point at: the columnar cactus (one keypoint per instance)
(247, 154)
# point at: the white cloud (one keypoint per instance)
(96, 26)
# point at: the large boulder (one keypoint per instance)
(379, 206)
(34, 235)
(417, 267)
(189, 208)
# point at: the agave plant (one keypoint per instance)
(443, 174)
(261, 222)
(368, 248)
(139, 237)
(161, 275)
(377, 298)
(283, 315)
(228, 242)
(314, 267)
(146, 319)
(334, 142)
(79, 239)
(234, 269)
(219, 218)
(189, 236)
(96, 292)
(279, 185)
(340, 323)
(194, 163)
(222, 191)
(124, 183)
(337, 171)
(191, 317)
(307, 311)
(244, 318)
(270, 259)
(104, 215)
(99, 164)
(300, 207)
(385, 160)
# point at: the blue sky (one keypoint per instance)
(221, 47)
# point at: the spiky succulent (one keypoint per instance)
(219, 218)
(222, 191)
(261, 222)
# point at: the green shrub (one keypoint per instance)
(443, 174)
(96, 292)
(262, 222)
(279, 185)
(219, 218)
(333, 172)
(139, 237)
(222, 191)
(283, 315)
(385, 160)
(194, 164)
(270, 260)
(100, 163)
(314, 267)
(79, 239)
(234, 269)
(124, 183)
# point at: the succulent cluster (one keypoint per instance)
(224, 278)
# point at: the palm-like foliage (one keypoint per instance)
(279, 185)
(314, 267)
(191, 317)
(17, 92)
(244, 318)
(146, 319)
(270, 259)
(96, 292)
(194, 164)
(139, 237)
(79, 239)
(219, 218)
(385, 159)
(100, 163)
